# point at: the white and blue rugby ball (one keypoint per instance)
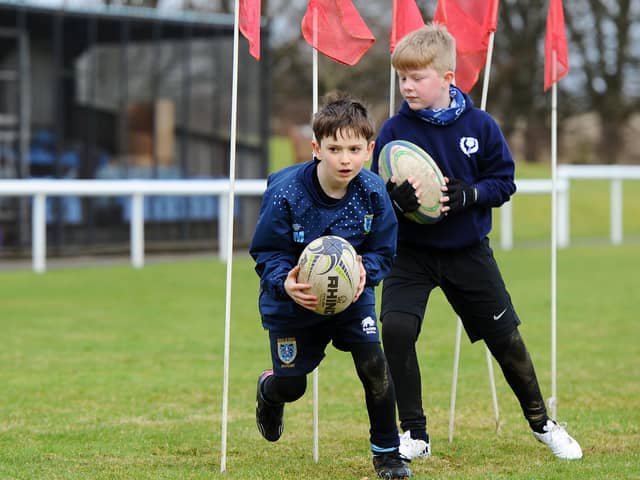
(330, 265)
(402, 159)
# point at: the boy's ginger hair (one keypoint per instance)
(431, 46)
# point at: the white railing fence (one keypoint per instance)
(39, 190)
(537, 187)
(565, 173)
(615, 174)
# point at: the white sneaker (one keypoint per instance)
(411, 448)
(559, 441)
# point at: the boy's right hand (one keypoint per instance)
(405, 197)
(297, 290)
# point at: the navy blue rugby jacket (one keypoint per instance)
(293, 214)
(472, 149)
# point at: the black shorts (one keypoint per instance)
(296, 351)
(469, 278)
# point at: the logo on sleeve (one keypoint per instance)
(469, 145)
(298, 233)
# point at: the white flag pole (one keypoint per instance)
(229, 252)
(316, 443)
(392, 90)
(487, 73)
(554, 236)
(483, 106)
(454, 379)
(456, 362)
(392, 73)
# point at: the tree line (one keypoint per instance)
(601, 92)
(599, 101)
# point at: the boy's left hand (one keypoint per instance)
(363, 279)
(459, 196)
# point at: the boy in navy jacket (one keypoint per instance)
(330, 195)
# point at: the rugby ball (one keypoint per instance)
(402, 159)
(330, 265)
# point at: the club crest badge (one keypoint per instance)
(368, 221)
(469, 145)
(287, 350)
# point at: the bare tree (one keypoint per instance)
(606, 38)
(515, 93)
(291, 63)
(604, 64)
(604, 48)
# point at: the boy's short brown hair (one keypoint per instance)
(431, 46)
(341, 112)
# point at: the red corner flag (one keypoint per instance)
(250, 25)
(339, 33)
(470, 22)
(556, 55)
(406, 19)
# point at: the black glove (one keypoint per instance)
(403, 196)
(461, 196)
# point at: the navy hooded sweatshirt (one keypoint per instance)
(472, 148)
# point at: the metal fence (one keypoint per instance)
(117, 93)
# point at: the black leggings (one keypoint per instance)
(400, 333)
(513, 357)
(373, 372)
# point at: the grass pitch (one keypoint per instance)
(115, 373)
